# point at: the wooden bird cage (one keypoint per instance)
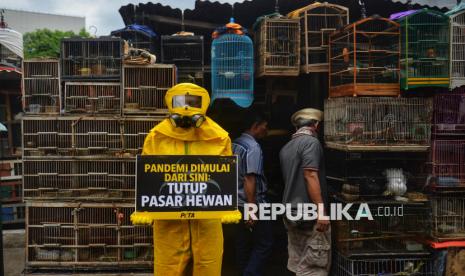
(378, 123)
(424, 48)
(317, 22)
(145, 88)
(448, 164)
(91, 58)
(92, 97)
(232, 68)
(85, 178)
(277, 41)
(364, 59)
(79, 236)
(449, 113)
(80, 136)
(41, 86)
(457, 46)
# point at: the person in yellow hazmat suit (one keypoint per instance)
(187, 247)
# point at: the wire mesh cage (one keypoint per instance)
(145, 88)
(91, 58)
(457, 46)
(449, 114)
(448, 163)
(185, 51)
(401, 264)
(232, 68)
(448, 216)
(93, 179)
(377, 177)
(92, 97)
(377, 122)
(424, 48)
(73, 236)
(364, 59)
(41, 86)
(317, 22)
(393, 230)
(277, 41)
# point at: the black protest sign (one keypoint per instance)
(179, 183)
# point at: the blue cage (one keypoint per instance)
(232, 65)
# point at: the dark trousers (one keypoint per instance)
(253, 247)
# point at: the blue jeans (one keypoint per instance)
(253, 247)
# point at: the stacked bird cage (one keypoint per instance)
(317, 22)
(364, 59)
(232, 65)
(96, 179)
(277, 41)
(186, 51)
(86, 235)
(448, 163)
(404, 264)
(91, 58)
(448, 216)
(424, 48)
(378, 123)
(81, 136)
(79, 166)
(41, 86)
(145, 88)
(457, 46)
(449, 114)
(393, 229)
(92, 97)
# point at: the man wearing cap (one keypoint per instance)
(302, 164)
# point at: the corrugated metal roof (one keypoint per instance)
(449, 4)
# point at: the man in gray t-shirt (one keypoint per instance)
(302, 165)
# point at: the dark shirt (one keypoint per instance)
(304, 151)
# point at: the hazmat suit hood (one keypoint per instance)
(177, 100)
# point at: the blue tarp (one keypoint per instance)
(138, 28)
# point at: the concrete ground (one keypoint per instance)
(13, 252)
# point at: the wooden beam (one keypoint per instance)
(177, 22)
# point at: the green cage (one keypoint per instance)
(424, 48)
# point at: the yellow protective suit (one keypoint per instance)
(179, 243)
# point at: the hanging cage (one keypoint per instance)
(232, 65)
(186, 52)
(41, 86)
(457, 45)
(277, 41)
(317, 22)
(364, 59)
(424, 48)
